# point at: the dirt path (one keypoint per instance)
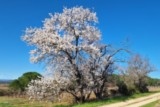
(136, 102)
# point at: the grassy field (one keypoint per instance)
(21, 102)
(153, 104)
(24, 102)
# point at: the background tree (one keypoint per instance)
(101, 70)
(153, 81)
(22, 82)
(137, 72)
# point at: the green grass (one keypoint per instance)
(153, 104)
(5, 105)
(21, 102)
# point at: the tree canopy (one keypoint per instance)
(22, 82)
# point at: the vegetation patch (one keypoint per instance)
(152, 104)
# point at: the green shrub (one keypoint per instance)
(124, 89)
(142, 88)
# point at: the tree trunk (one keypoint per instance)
(99, 95)
(99, 91)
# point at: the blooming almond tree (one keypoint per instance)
(68, 43)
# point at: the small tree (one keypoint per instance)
(138, 70)
(22, 82)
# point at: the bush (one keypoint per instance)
(113, 92)
(4, 92)
(142, 88)
(124, 89)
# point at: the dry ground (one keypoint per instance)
(154, 88)
(4, 87)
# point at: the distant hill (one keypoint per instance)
(4, 81)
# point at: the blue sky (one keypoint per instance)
(138, 20)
